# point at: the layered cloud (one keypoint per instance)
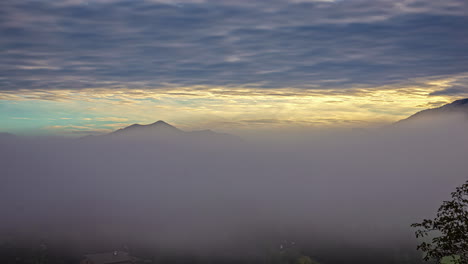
(225, 63)
(268, 44)
(229, 109)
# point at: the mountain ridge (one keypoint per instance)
(163, 131)
(456, 107)
(157, 127)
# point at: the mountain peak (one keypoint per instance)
(157, 123)
(158, 128)
(456, 107)
(460, 102)
(162, 131)
(160, 123)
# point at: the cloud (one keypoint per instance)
(113, 119)
(456, 90)
(216, 62)
(230, 109)
(77, 130)
(270, 44)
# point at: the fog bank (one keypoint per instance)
(342, 191)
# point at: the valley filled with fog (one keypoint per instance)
(351, 192)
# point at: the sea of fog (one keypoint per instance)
(330, 192)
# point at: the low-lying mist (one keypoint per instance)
(340, 192)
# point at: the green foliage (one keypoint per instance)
(450, 260)
(449, 230)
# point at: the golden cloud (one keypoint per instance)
(247, 108)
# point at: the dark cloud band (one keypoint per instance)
(269, 44)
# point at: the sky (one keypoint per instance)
(78, 67)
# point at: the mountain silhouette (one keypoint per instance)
(159, 128)
(162, 131)
(458, 107)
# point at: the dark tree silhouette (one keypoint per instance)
(448, 231)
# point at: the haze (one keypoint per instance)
(353, 192)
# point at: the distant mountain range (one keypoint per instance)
(161, 130)
(459, 107)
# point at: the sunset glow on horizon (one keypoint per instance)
(89, 67)
(102, 110)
